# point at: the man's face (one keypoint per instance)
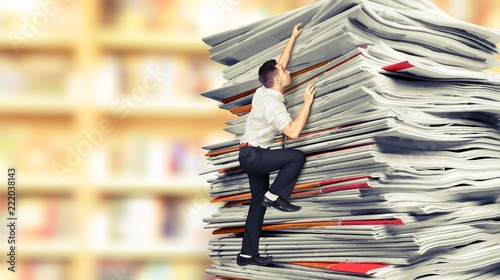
(283, 75)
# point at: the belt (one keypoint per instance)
(246, 144)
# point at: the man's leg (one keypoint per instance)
(259, 184)
(289, 173)
(258, 163)
(289, 162)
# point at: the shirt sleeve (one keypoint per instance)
(276, 114)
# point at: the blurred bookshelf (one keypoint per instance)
(101, 114)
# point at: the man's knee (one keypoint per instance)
(300, 156)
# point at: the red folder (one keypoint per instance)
(398, 66)
(360, 268)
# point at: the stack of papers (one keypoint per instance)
(402, 179)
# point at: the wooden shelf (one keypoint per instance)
(168, 250)
(62, 249)
(111, 40)
(53, 250)
(66, 107)
(174, 187)
(179, 109)
(40, 42)
(42, 185)
(30, 106)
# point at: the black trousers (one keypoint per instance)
(258, 163)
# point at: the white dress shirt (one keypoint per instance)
(266, 119)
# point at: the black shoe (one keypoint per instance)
(241, 261)
(280, 204)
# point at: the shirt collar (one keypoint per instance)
(274, 92)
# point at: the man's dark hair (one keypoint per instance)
(267, 72)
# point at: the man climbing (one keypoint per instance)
(268, 117)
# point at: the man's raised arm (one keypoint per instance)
(287, 51)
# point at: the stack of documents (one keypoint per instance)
(402, 179)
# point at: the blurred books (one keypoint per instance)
(401, 179)
(194, 16)
(151, 81)
(63, 72)
(33, 18)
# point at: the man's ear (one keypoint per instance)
(276, 79)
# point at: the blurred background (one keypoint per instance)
(101, 115)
